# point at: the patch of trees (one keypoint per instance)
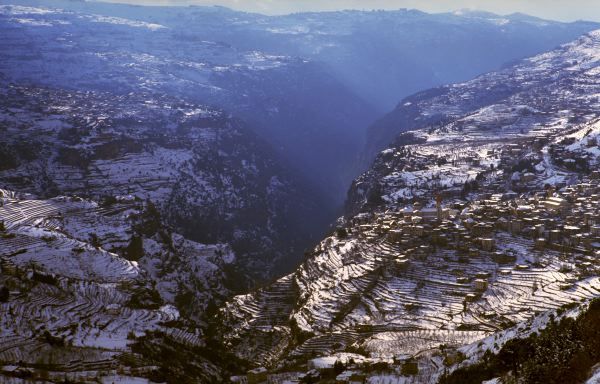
(375, 195)
(27, 150)
(567, 141)
(410, 368)
(70, 135)
(150, 220)
(524, 165)
(108, 201)
(346, 308)
(298, 335)
(8, 159)
(582, 164)
(354, 301)
(44, 278)
(116, 148)
(145, 298)
(178, 363)
(341, 233)
(95, 241)
(48, 239)
(562, 353)
(184, 300)
(135, 249)
(4, 294)
(470, 186)
(73, 157)
(54, 341)
(408, 138)
(235, 278)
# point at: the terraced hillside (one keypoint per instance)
(130, 211)
(210, 178)
(79, 295)
(459, 232)
(107, 243)
(401, 286)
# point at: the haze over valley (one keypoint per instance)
(196, 194)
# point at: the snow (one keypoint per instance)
(24, 10)
(171, 311)
(292, 30)
(340, 270)
(67, 254)
(33, 22)
(329, 361)
(127, 22)
(496, 380)
(595, 379)
(120, 379)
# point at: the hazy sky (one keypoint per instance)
(566, 10)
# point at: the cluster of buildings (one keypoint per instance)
(567, 221)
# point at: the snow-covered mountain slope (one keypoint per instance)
(86, 284)
(460, 229)
(455, 130)
(113, 107)
(312, 120)
(208, 175)
(309, 84)
(556, 88)
(380, 55)
(416, 50)
(393, 288)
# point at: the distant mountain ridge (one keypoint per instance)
(307, 83)
(292, 103)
